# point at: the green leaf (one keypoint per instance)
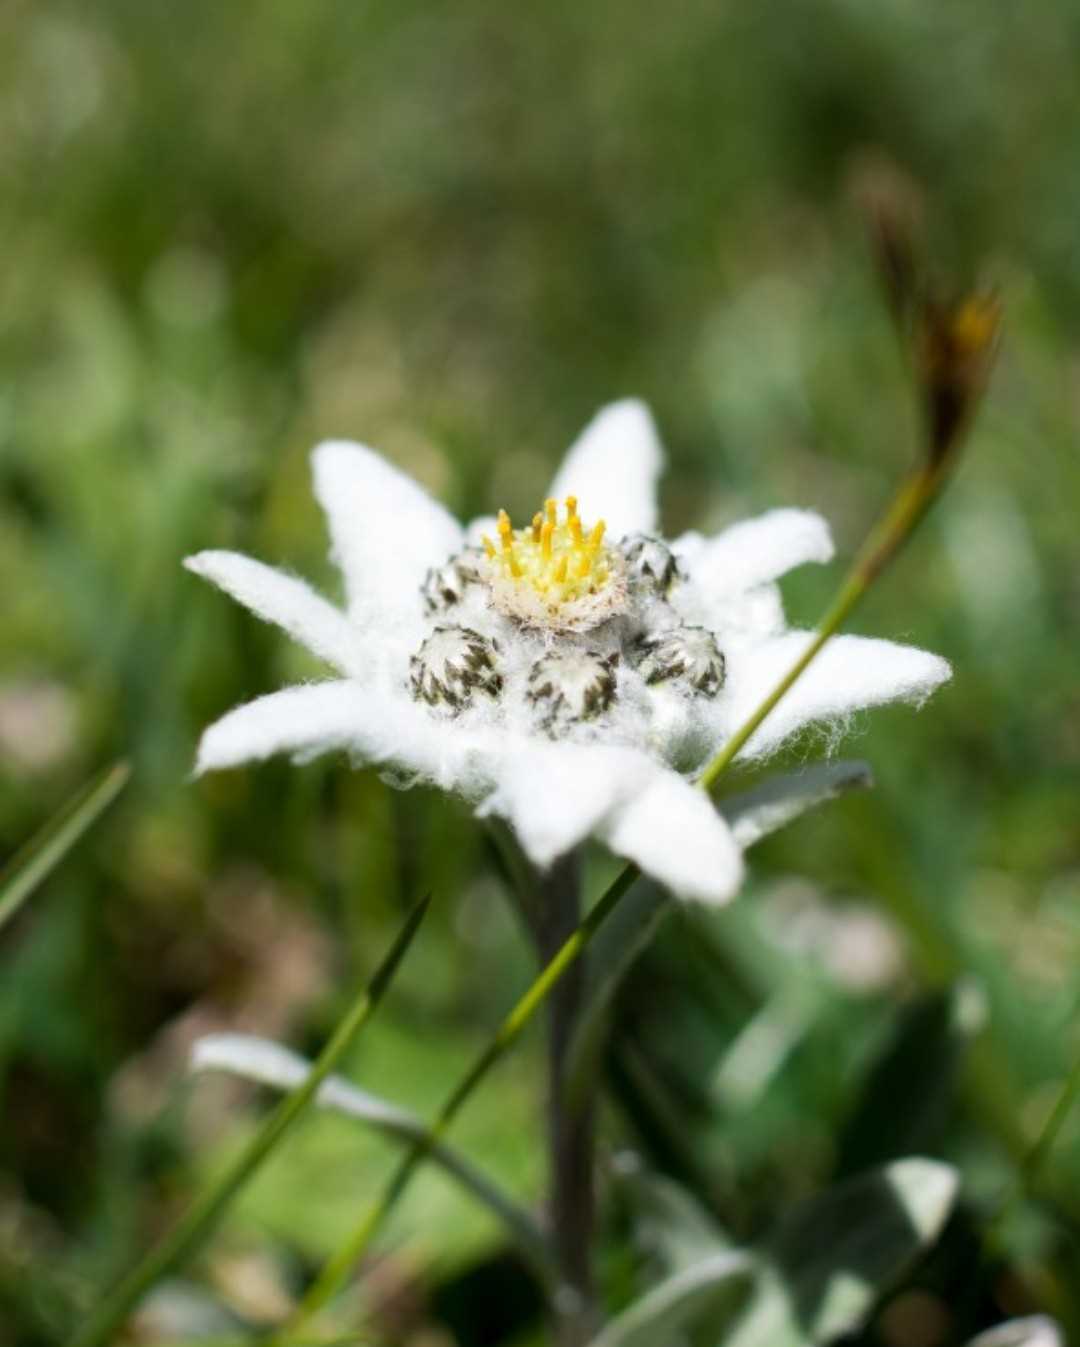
(269, 1063)
(753, 815)
(1036, 1331)
(37, 860)
(817, 1278)
(780, 800)
(829, 1264)
(628, 933)
(920, 1065)
(670, 1224)
(711, 1286)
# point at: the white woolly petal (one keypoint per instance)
(385, 530)
(852, 672)
(304, 720)
(613, 468)
(556, 795)
(755, 551)
(288, 602)
(673, 832)
(485, 523)
(324, 717)
(752, 613)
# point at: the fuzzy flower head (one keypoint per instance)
(559, 577)
(568, 675)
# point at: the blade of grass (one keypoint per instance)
(1043, 1144)
(103, 1326)
(34, 862)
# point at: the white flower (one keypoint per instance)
(566, 677)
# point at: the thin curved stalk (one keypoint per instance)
(43, 853)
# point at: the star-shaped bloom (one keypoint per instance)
(569, 676)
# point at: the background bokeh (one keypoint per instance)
(453, 232)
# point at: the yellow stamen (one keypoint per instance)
(556, 570)
(508, 554)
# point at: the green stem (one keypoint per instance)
(914, 497)
(1051, 1129)
(104, 1325)
(46, 849)
(571, 1127)
(1026, 1184)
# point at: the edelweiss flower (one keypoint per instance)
(568, 676)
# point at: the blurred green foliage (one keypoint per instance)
(453, 232)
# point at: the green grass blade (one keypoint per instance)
(204, 1215)
(33, 864)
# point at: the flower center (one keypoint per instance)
(555, 574)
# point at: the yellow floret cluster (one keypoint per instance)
(554, 573)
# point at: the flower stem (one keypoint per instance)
(571, 1126)
(104, 1326)
(1051, 1129)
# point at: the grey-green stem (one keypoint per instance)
(571, 1125)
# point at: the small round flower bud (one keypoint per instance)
(650, 565)
(688, 655)
(444, 586)
(570, 686)
(453, 664)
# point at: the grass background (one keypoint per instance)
(453, 232)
